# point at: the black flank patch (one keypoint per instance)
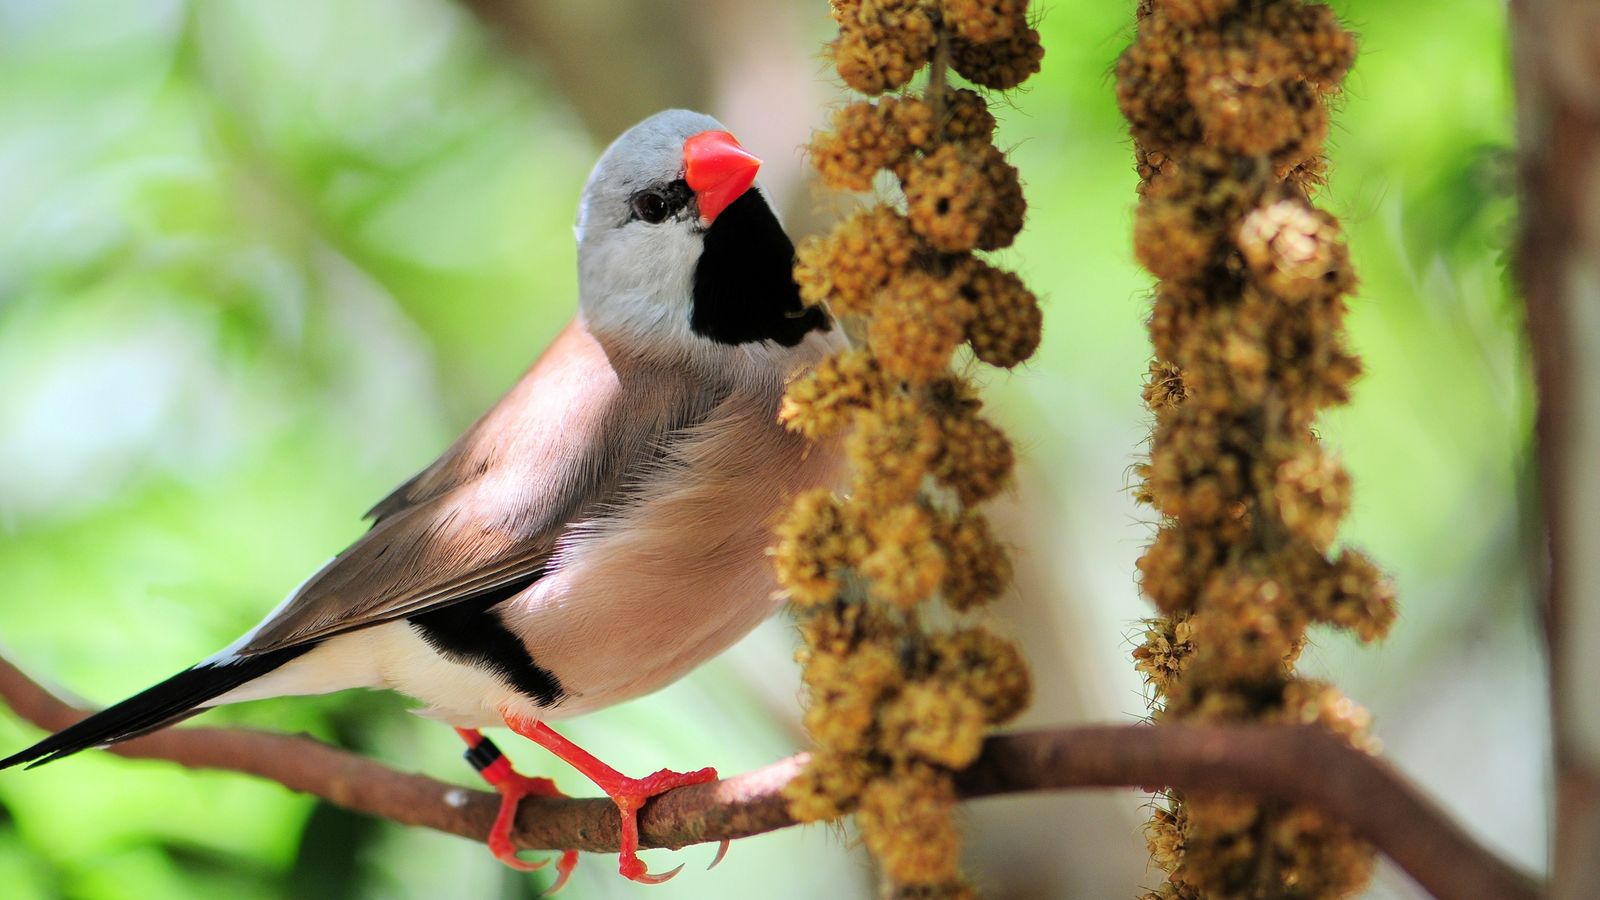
(470, 632)
(744, 286)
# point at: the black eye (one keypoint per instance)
(650, 206)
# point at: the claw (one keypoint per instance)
(629, 794)
(722, 850)
(509, 857)
(512, 790)
(647, 878)
(569, 861)
(512, 787)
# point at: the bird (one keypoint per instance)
(596, 534)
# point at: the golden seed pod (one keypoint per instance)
(1195, 12)
(967, 117)
(848, 267)
(862, 141)
(1250, 121)
(1349, 593)
(1163, 387)
(881, 43)
(1325, 50)
(1249, 628)
(907, 563)
(988, 666)
(839, 718)
(1151, 89)
(949, 197)
(1169, 241)
(1222, 814)
(1167, 570)
(845, 693)
(1309, 701)
(1225, 100)
(828, 785)
(918, 322)
(1295, 251)
(985, 21)
(892, 708)
(913, 119)
(1168, 646)
(1312, 492)
(874, 68)
(1163, 835)
(819, 539)
(1007, 326)
(905, 820)
(1009, 207)
(976, 459)
(979, 568)
(1001, 65)
(935, 720)
(1251, 84)
(1320, 858)
(838, 629)
(821, 403)
(891, 449)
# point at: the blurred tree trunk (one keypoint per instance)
(661, 66)
(1556, 45)
(736, 59)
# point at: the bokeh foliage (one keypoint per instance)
(258, 262)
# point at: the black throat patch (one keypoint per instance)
(744, 286)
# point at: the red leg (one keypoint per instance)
(629, 794)
(512, 786)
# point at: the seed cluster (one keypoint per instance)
(897, 704)
(1226, 101)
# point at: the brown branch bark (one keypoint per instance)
(1556, 46)
(1290, 763)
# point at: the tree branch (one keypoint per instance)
(1288, 763)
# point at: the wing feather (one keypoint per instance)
(560, 448)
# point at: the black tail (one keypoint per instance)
(170, 701)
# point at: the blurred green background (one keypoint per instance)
(260, 262)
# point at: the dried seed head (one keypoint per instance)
(919, 321)
(848, 267)
(881, 43)
(949, 198)
(863, 141)
(907, 563)
(820, 538)
(905, 820)
(978, 567)
(1001, 65)
(1005, 329)
(822, 402)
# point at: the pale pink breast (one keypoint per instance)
(636, 606)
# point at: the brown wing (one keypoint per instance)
(558, 448)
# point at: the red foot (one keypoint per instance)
(512, 787)
(630, 794)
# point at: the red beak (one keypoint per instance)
(718, 170)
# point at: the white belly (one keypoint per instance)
(392, 656)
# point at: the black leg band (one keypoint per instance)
(482, 756)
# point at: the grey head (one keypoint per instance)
(656, 273)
